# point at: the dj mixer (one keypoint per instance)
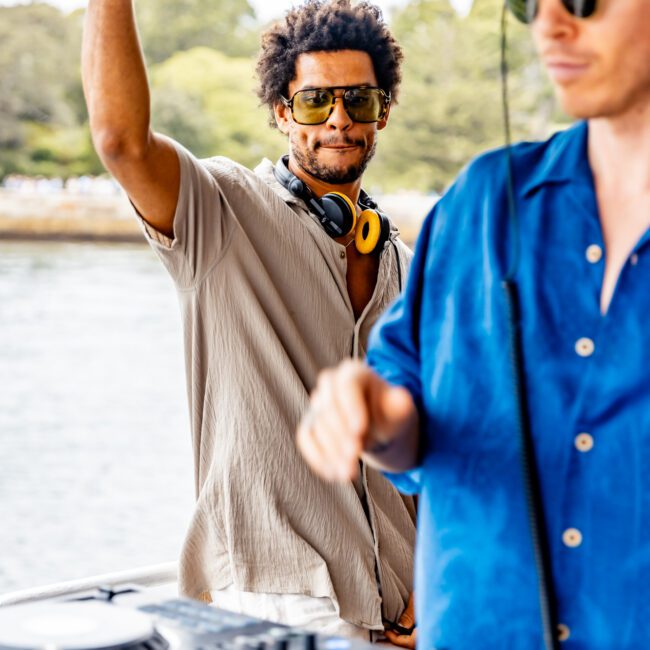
(129, 620)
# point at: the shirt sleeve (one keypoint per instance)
(204, 220)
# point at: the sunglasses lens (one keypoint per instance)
(526, 10)
(580, 8)
(312, 106)
(365, 104)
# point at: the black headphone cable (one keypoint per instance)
(530, 471)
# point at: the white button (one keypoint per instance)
(585, 347)
(594, 253)
(342, 255)
(563, 632)
(584, 442)
(634, 259)
(572, 537)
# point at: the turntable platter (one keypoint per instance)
(73, 626)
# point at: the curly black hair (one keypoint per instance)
(325, 25)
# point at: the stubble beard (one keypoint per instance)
(307, 160)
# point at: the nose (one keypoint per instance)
(339, 118)
(553, 21)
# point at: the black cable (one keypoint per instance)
(399, 265)
(536, 520)
(510, 187)
(530, 472)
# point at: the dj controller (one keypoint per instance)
(129, 620)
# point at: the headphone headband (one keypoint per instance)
(290, 181)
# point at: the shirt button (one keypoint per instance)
(342, 255)
(563, 632)
(634, 259)
(572, 537)
(585, 347)
(584, 442)
(594, 253)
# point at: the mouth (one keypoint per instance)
(564, 71)
(339, 147)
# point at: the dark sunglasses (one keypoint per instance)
(526, 10)
(364, 104)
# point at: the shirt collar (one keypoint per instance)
(565, 160)
(265, 171)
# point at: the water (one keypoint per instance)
(95, 456)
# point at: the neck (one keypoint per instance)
(619, 151)
(320, 188)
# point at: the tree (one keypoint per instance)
(450, 104)
(39, 79)
(170, 26)
(34, 75)
(206, 100)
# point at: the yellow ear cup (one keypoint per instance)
(353, 210)
(368, 232)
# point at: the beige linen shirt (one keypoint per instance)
(265, 306)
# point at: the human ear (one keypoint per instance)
(384, 120)
(282, 117)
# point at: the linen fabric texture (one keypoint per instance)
(297, 610)
(265, 307)
(587, 378)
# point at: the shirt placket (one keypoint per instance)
(573, 528)
(575, 535)
(381, 286)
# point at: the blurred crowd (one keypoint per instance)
(78, 185)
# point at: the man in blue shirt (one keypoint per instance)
(439, 411)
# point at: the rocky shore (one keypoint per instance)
(82, 217)
(66, 216)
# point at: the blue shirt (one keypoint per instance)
(588, 384)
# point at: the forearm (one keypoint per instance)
(115, 79)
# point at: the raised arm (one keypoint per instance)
(117, 95)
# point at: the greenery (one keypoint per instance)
(206, 100)
(169, 26)
(201, 62)
(42, 112)
(450, 105)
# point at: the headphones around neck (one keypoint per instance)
(337, 214)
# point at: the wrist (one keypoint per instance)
(397, 454)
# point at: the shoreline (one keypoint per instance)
(73, 238)
(62, 216)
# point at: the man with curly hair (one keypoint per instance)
(275, 283)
